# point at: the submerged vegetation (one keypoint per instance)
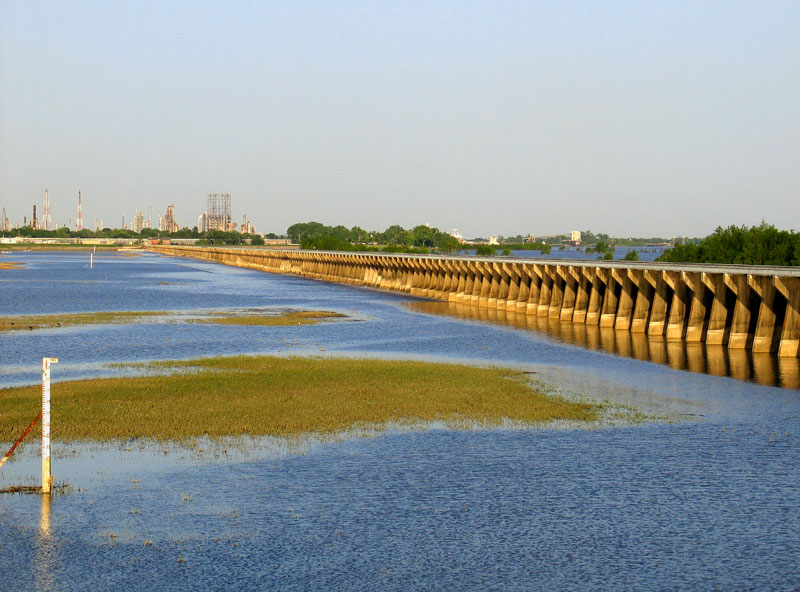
(258, 317)
(295, 317)
(605, 250)
(31, 322)
(265, 395)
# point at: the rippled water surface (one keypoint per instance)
(706, 499)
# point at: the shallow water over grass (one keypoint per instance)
(707, 499)
(609, 509)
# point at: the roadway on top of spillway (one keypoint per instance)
(769, 270)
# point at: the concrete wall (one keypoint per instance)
(741, 307)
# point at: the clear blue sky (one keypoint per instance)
(643, 118)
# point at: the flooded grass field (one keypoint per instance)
(250, 316)
(281, 396)
(701, 494)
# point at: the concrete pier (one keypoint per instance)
(741, 307)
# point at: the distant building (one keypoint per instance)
(138, 222)
(247, 226)
(167, 223)
(277, 241)
(575, 238)
(79, 220)
(531, 238)
(47, 219)
(457, 235)
(493, 240)
(218, 212)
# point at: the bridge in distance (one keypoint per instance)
(748, 307)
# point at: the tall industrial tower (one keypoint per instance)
(138, 222)
(167, 223)
(34, 221)
(4, 222)
(79, 222)
(47, 220)
(219, 211)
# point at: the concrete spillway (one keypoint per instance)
(739, 306)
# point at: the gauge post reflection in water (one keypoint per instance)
(45, 567)
(44, 518)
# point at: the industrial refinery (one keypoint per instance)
(216, 216)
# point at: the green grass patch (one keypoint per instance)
(264, 395)
(31, 322)
(264, 318)
(299, 317)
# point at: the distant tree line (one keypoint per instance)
(215, 237)
(756, 245)
(210, 237)
(315, 235)
(420, 239)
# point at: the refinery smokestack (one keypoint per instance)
(79, 222)
(34, 222)
(47, 220)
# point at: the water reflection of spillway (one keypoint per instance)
(718, 360)
(754, 308)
